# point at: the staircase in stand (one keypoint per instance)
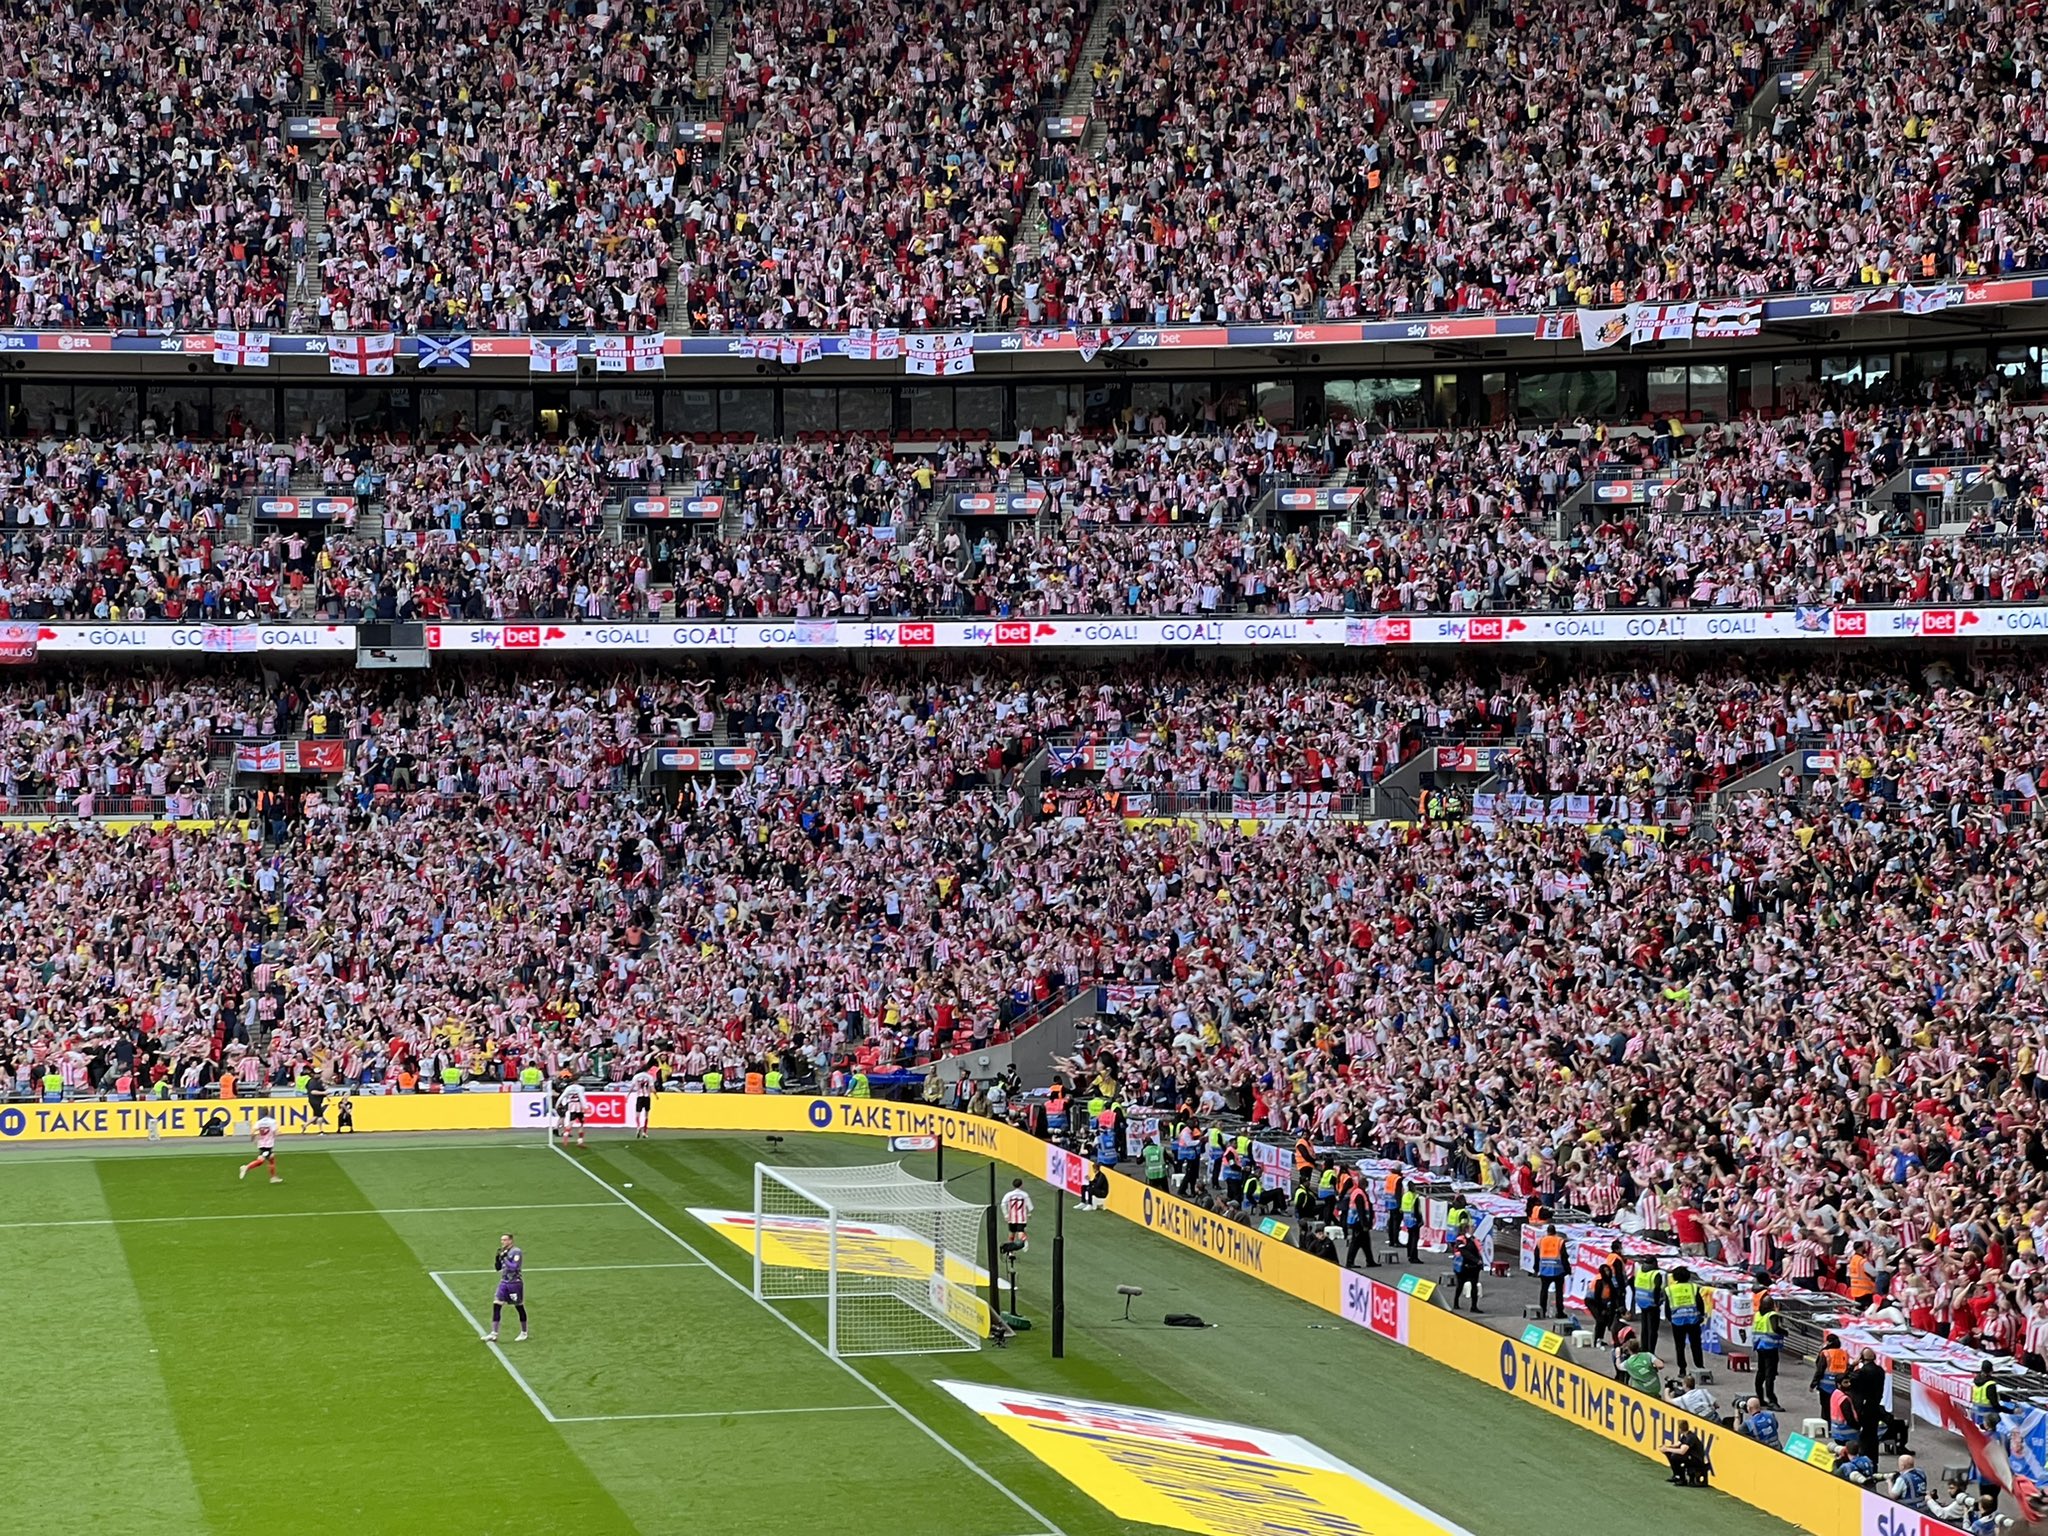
(1079, 101)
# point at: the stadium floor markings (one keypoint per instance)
(579, 1269)
(716, 1413)
(497, 1349)
(1048, 1528)
(441, 1277)
(418, 1210)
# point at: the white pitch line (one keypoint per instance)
(577, 1269)
(908, 1417)
(416, 1210)
(720, 1413)
(30, 1155)
(511, 1369)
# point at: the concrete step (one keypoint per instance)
(1079, 101)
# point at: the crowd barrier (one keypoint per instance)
(1766, 1479)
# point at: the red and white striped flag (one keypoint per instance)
(360, 356)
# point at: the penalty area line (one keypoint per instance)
(908, 1417)
(582, 1269)
(510, 1369)
(718, 1413)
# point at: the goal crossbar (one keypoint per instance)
(891, 1256)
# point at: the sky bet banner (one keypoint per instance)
(1398, 630)
(1419, 328)
(1378, 631)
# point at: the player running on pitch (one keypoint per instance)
(571, 1108)
(510, 1264)
(643, 1101)
(265, 1132)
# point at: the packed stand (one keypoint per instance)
(1239, 147)
(879, 163)
(501, 168)
(148, 182)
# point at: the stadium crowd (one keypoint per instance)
(1162, 517)
(1805, 1020)
(493, 167)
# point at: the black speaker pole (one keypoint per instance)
(1059, 1274)
(995, 1255)
(939, 1169)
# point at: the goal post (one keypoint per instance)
(892, 1257)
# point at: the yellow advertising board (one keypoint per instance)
(1767, 1479)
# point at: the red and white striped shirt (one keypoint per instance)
(1802, 1261)
(1651, 1209)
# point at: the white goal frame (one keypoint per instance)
(896, 1265)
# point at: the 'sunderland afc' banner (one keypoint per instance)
(1767, 1479)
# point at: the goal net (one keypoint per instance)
(891, 1256)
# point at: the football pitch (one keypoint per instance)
(191, 1353)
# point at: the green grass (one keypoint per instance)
(293, 1366)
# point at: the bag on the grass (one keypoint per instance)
(1184, 1320)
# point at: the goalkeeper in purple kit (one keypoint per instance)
(511, 1265)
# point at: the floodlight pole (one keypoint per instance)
(1059, 1273)
(995, 1255)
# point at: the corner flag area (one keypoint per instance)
(199, 1354)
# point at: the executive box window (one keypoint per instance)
(1046, 407)
(688, 411)
(1594, 393)
(1381, 400)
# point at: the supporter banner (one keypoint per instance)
(229, 639)
(941, 355)
(1928, 301)
(1600, 329)
(1066, 127)
(305, 128)
(1660, 322)
(433, 352)
(1720, 322)
(640, 352)
(307, 509)
(705, 759)
(660, 509)
(244, 349)
(292, 757)
(1000, 504)
(1618, 627)
(1471, 759)
(1408, 329)
(872, 346)
(700, 131)
(551, 354)
(18, 642)
(162, 639)
(362, 356)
